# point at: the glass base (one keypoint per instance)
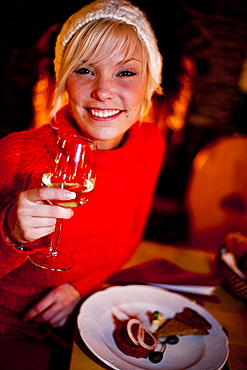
(60, 262)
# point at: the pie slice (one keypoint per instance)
(187, 322)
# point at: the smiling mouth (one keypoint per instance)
(104, 113)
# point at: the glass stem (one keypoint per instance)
(53, 247)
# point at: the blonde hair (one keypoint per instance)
(94, 42)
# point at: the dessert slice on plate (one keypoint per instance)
(187, 322)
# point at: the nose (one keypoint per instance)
(103, 89)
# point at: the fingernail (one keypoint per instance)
(70, 195)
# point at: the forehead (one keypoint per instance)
(122, 57)
(119, 42)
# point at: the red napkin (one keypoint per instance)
(161, 271)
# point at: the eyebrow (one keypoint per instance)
(123, 61)
(128, 60)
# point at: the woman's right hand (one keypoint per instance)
(32, 217)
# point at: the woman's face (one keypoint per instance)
(105, 99)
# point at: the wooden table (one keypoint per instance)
(231, 313)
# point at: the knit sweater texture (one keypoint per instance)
(103, 233)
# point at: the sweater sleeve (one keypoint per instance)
(19, 156)
(11, 185)
(22, 158)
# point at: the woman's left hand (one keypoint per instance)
(55, 307)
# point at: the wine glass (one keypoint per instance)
(73, 168)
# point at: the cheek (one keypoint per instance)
(136, 100)
(134, 95)
(74, 90)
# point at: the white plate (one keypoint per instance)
(95, 323)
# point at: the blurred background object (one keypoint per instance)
(44, 86)
(216, 197)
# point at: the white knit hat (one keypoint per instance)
(121, 10)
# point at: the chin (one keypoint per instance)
(109, 143)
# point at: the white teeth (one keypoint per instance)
(104, 113)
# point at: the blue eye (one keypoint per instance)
(83, 71)
(127, 73)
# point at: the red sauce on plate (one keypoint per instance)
(125, 344)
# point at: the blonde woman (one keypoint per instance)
(107, 68)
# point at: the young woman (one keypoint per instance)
(107, 68)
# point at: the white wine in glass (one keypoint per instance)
(73, 167)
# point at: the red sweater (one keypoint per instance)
(103, 233)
